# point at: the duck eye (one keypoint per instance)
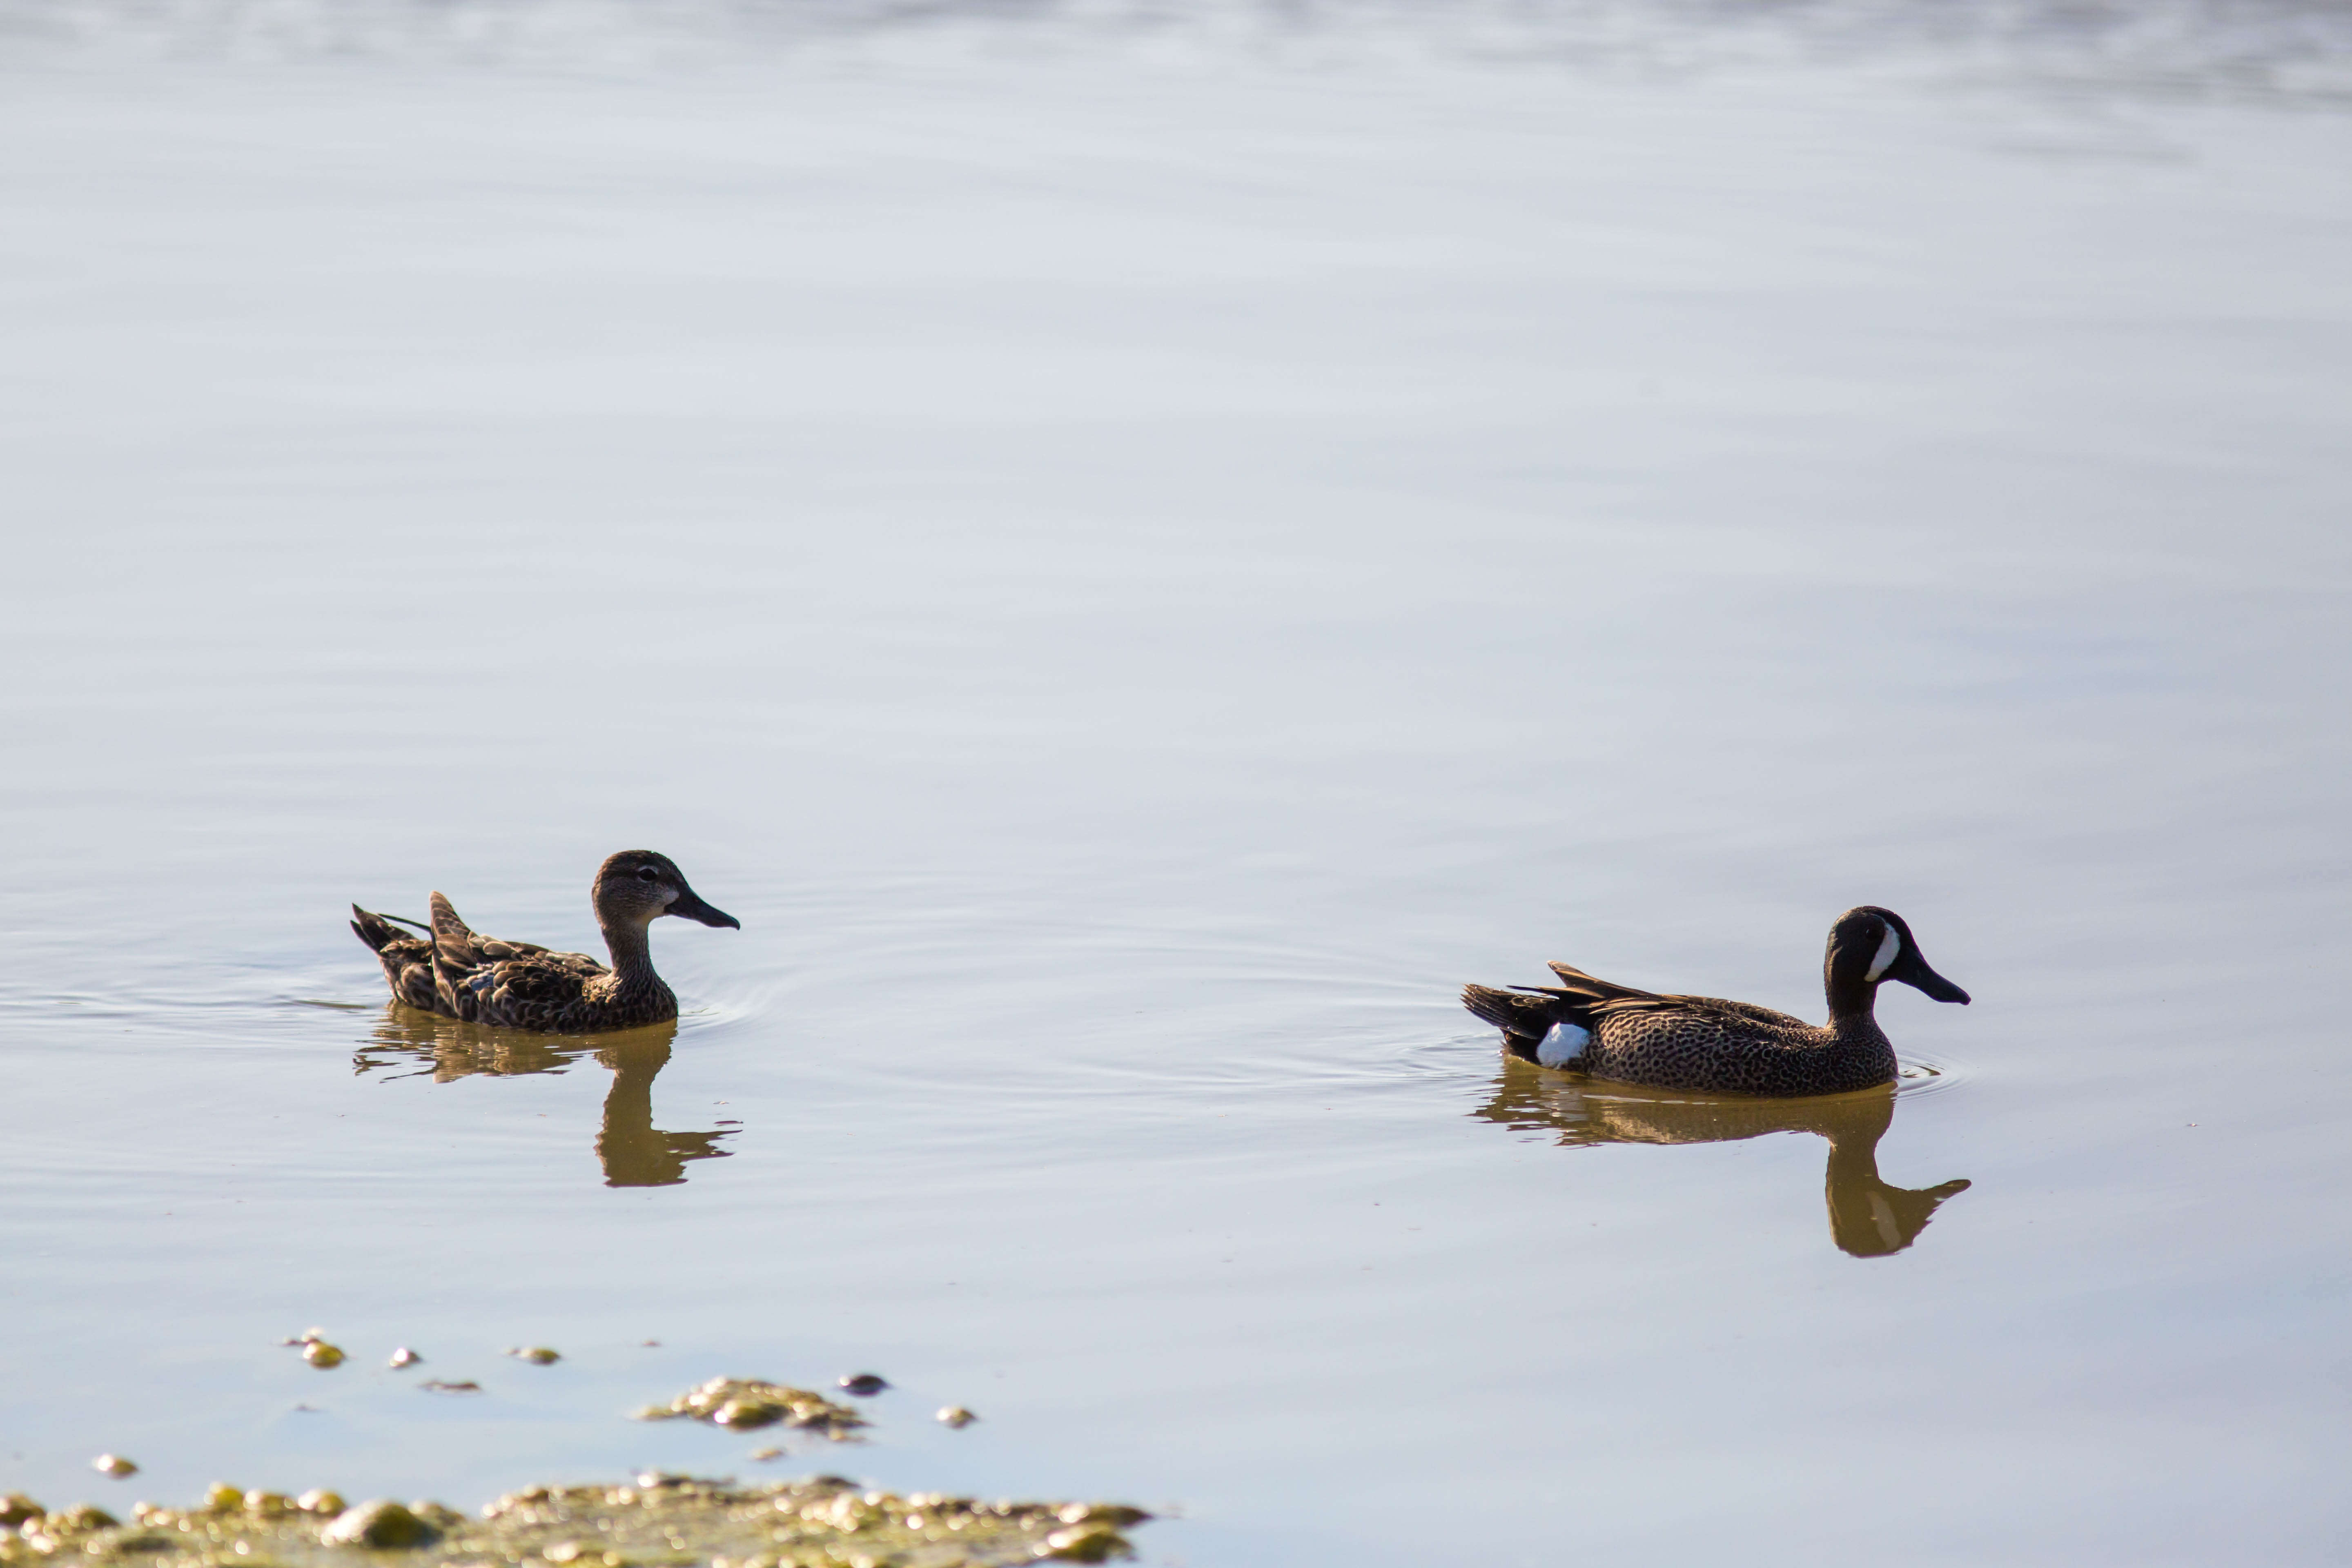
(646, 873)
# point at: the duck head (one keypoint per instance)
(1869, 945)
(637, 887)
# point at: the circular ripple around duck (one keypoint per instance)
(1454, 1055)
(1920, 1074)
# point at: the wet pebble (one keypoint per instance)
(864, 1385)
(319, 1353)
(318, 1499)
(746, 1415)
(404, 1356)
(17, 1508)
(381, 1525)
(956, 1416)
(538, 1355)
(764, 1455)
(79, 1519)
(434, 1386)
(1086, 1543)
(113, 1465)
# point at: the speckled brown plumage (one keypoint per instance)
(462, 974)
(1706, 1043)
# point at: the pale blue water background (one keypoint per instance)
(1135, 564)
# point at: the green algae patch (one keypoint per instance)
(744, 1404)
(657, 1521)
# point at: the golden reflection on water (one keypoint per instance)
(632, 1150)
(1868, 1217)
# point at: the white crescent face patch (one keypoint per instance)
(1888, 952)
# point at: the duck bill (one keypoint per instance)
(1912, 970)
(688, 905)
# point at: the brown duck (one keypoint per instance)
(461, 974)
(1609, 1031)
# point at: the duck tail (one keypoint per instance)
(1548, 1026)
(1521, 1014)
(376, 931)
(370, 928)
(408, 960)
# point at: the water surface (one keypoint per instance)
(1135, 568)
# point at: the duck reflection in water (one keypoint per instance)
(634, 1151)
(1867, 1217)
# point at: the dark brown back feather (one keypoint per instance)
(1604, 998)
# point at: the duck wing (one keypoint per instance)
(1606, 997)
(1747, 1010)
(1714, 1009)
(537, 991)
(1594, 991)
(484, 979)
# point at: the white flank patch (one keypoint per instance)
(1562, 1045)
(1888, 952)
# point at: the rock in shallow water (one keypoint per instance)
(381, 1525)
(745, 1404)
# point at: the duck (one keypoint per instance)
(459, 973)
(1604, 1030)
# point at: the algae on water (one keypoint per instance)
(658, 1521)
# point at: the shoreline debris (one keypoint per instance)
(656, 1522)
(746, 1404)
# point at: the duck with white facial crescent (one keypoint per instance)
(460, 974)
(1610, 1031)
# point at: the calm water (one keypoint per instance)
(1135, 567)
